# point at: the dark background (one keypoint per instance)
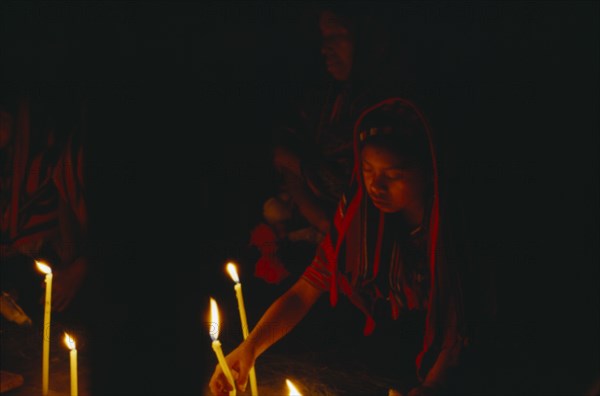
(180, 99)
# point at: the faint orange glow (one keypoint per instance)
(69, 341)
(214, 320)
(233, 272)
(43, 267)
(292, 388)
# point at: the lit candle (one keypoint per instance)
(240, 299)
(292, 388)
(73, 355)
(216, 344)
(44, 268)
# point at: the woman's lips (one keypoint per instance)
(379, 202)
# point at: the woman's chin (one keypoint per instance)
(384, 207)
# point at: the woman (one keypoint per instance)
(388, 252)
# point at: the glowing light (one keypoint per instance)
(233, 272)
(43, 267)
(214, 320)
(292, 388)
(70, 342)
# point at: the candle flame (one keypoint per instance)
(233, 272)
(292, 388)
(43, 267)
(214, 320)
(69, 341)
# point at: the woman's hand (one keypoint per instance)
(240, 361)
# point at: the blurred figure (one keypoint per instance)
(43, 208)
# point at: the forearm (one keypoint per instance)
(307, 204)
(282, 316)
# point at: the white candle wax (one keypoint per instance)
(73, 360)
(216, 345)
(242, 309)
(46, 330)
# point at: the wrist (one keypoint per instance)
(250, 347)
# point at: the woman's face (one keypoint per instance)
(391, 185)
(337, 47)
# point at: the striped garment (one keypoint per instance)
(38, 176)
(356, 251)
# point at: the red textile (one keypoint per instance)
(42, 174)
(444, 304)
(268, 267)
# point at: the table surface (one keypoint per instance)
(314, 377)
(21, 353)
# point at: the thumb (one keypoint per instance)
(242, 379)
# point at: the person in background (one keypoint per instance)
(312, 145)
(43, 202)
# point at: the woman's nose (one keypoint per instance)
(377, 185)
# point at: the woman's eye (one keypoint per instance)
(394, 175)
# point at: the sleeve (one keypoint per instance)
(317, 273)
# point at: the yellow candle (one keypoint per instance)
(73, 357)
(240, 299)
(44, 268)
(292, 388)
(216, 344)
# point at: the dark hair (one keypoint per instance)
(400, 130)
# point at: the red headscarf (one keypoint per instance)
(341, 251)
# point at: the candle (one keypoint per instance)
(73, 357)
(216, 344)
(292, 388)
(44, 268)
(240, 299)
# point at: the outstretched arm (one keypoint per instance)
(279, 319)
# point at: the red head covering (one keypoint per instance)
(346, 262)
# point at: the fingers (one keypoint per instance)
(242, 379)
(239, 364)
(394, 392)
(219, 386)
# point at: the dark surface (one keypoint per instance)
(21, 352)
(180, 98)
